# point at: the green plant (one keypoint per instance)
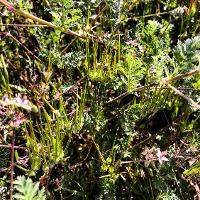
(26, 189)
(103, 96)
(132, 71)
(187, 54)
(168, 196)
(194, 170)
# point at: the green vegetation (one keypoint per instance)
(28, 190)
(99, 99)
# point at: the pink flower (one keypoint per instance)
(18, 120)
(161, 156)
(11, 8)
(149, 155)
(131, 42)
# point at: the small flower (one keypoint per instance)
(11, 8)
(141, 48)
(161, 156)
(23, 161)
(18, 120)
(149, 155)
(142, 173)
(131, 42)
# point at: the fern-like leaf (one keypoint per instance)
(187, 54)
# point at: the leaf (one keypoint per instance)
(193, 170)
(187, 53)
(27, 190)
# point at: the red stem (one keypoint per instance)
(12, 167)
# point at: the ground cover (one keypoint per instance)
(99, 99)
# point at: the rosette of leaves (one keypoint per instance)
(28, 190)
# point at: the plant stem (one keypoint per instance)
(12, 167)
(49, 24)
(192, 72)
(10, 146)
(189, 100)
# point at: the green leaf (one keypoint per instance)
(193, 170)
(27, 190)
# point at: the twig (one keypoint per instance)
(49, 24)
(196, 187)
(189, 100)
(99, 14)
(73, 86)
(135, 161)
(141, 88)
(76, 94)
(194, 184)
(180, 88)
(10, 146)
(192, 72)
(65, 49)
(150, 15)
(6, 3)
(118, 97)
(10, 63)
(167, 81)
(9, 35)
(24, 25)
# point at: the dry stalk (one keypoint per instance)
(189, 100)
(167, 81)
(16, 40)
(49, 24)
